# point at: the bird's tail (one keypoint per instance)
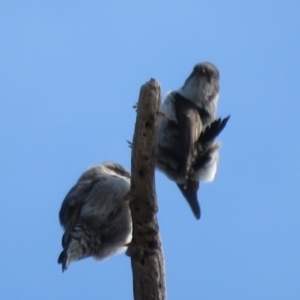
(76, 244)
(189, 191)
(63, 260)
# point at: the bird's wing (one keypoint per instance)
(106, 196)
(74, 200)
(190, 127)
(73, 203)
(212, 130)
(206, 144)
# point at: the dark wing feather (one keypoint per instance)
(190, 126)
(75, 197)
(212, 130)
(206, 143)
(72, 205)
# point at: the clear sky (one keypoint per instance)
(69, 75)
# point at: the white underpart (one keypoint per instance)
(168, 107)
(198, 92)
(208, 172)
(128, 240)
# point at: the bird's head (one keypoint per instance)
(202, 86)
(116, 169)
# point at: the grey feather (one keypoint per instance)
(185, 147)
(92, 226)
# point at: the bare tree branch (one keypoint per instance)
(145, 250)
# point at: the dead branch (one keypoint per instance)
(145, 250)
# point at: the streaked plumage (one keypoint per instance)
(95, 214)
(186, 150)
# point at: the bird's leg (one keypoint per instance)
(167, 118)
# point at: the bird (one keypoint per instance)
(95, 214)
(185, 147)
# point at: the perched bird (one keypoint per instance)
(185, 148)
(95, 214)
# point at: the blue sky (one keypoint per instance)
(69, 75)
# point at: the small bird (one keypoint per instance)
(95, 214)
(185, 146)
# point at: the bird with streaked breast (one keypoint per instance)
(185, 148)
(95, 214)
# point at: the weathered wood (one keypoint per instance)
(145, 250)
